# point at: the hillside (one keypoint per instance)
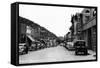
(32, 24)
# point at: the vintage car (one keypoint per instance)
(80, 47)
(70, 46)
(62, 44)
(22, 48)
(33, 46)
(36, 45)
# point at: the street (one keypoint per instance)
(53, 54)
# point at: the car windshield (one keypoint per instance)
(80, 43)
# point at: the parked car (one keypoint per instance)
(62, 44)
(70, 46)
(22, 48)
(33, 46)
(38, 45)
(80, 47)
(43, 45)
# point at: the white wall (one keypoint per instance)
(5, 34)
(29, 30)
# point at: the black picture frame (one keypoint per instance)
(15, 32)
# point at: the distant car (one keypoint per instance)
(70, 46)
(38, 45)
(35, 46)
(42, 45)
(22, 48)
(32, 47)
(80, 47)
(62, 44)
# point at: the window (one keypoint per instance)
(87, 11)
(87, 18)
(94, 12)
(87, 15)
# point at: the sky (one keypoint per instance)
(56, 19)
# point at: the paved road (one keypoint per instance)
(52, 54)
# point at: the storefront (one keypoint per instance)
(90, 34)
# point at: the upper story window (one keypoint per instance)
(87, 18)
(87, 11)
(36, 30)
(87, 15)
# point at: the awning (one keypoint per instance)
(30, 37)
(90, 24)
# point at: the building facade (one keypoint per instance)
(76, 27)
(89, 32)
(84, 27)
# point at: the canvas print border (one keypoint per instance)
(15, 35)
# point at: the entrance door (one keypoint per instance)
(89, 39)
